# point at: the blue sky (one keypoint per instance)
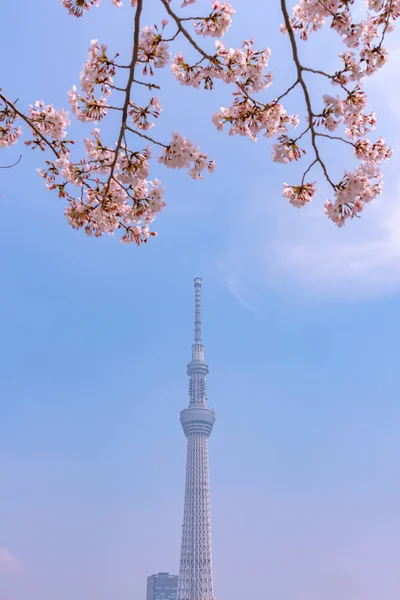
(301, 331)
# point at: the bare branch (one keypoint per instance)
(151, 86)
(146, 137)
(279, 98)
(314, 162)
(13, 165)
(331, 77)
(335, 137)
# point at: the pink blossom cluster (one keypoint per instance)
(140, 115)
(153, 50)
(115, 191)
(299, 195)
(129, 201)
(112, 184)
(251, 118)
(78, 7)
(364, 37)
(98, 71)
(349, 112)
(286, 150)
(218, 22)
(182, 154)
(354, 191)
(9, 132)
(45, 123)
(87, 108)
(243, 66)
(366, 54)
(362, 186)
(50, 121)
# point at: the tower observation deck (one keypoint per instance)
(195, 573)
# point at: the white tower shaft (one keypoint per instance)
(195, 573)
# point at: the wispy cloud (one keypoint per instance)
(8, 563)
(284, 246)
(236, 285)
(354, 263)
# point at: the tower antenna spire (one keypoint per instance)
(195, 580)
(197, 310)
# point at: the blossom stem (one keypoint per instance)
(129, 84)
(386, 24)
(13, 165)
(151, 86)
(331, 77)
(301, 135)
(146, 137)
(306, 93)
(335, 137)
(308, 170)
(279, 98)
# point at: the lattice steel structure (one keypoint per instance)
(195, 573)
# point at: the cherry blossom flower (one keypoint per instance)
(98, 70)
(153, 50)
(252, 119)
(9, 133)
(299, 195)
(49, 121)
(78, 7)
(286, 150)
(218, 22)
(182, 154)
(353, 192)
(87, 108)
(140, 115)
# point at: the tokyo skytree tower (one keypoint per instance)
(195, 573)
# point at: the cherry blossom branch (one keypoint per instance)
(300, 69)
(173, 38)
(389, 10)
(314, 162)
(301, 135)
(27, 120)
(115, 189)
(129, 84)
(183, 30)
(279, 98)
